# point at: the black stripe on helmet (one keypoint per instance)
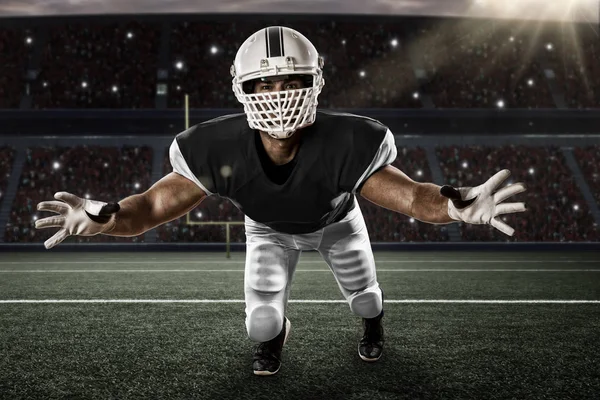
(281, 38)
(268, 48)
(274, 39)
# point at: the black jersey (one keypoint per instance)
(336, 155)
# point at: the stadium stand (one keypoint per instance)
(15, 47)
(98, 66)
(556, 212)
(349, 50)
(576, 64)
(408, 63)
(369, 64)
(6, 159)
(479, 64)
(108, 173)
(589, 162)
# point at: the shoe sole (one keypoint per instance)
(369, 359)
(266, 373)
(288, 327)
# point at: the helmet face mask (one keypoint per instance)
(278, 53)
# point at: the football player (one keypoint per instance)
(295, 173)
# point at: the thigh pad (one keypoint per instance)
(266, 268)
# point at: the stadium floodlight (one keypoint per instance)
(465, 164)
(512, 38)
(549, 46)
(199, 214)
(575, 207)
(394, 42)
(84, 84)
(56, 165)
(419, 173)
(531, 171)
(500, 103)
(179, 65)
(35, 217)
(416, 95)
(129, 35)
(45, 84)
(136, 185)
(344, 42)
(214, 50)
(87, 196)
(29, 40)
(178, 87)
(362, 74)
(105, 165)
(412, 220)
(115, 88)
(530, 82)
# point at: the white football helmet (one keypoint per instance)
(271, 52)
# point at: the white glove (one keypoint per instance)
(77, 217)
(479, 205)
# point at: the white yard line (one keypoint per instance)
(469, 261)
(43, 271)
(86, 301)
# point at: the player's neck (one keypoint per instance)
(281, 151)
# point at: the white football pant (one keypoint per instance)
(271, 259)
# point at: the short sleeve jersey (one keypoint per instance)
(337, 154)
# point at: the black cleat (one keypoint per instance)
(370, 346)
(267, 357)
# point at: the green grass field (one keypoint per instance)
(175, 345)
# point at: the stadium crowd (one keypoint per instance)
(7, 154)
(369, 64)
(589, 162)
(98, 66)
(557, 211)
(107, 173)
(480, 65)
(15, 47)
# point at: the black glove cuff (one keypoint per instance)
(454, 195)
(105, 213)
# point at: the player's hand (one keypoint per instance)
(481, 204)
(77, 217)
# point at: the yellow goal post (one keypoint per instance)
(227, 230)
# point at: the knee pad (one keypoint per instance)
(367, 303)
(264, 322)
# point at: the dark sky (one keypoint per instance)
(585, 10)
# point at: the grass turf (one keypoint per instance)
(201, 351)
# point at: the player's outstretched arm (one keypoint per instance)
(393, 189)
(427, 202)
(169, 198)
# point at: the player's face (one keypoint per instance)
(276, 86)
